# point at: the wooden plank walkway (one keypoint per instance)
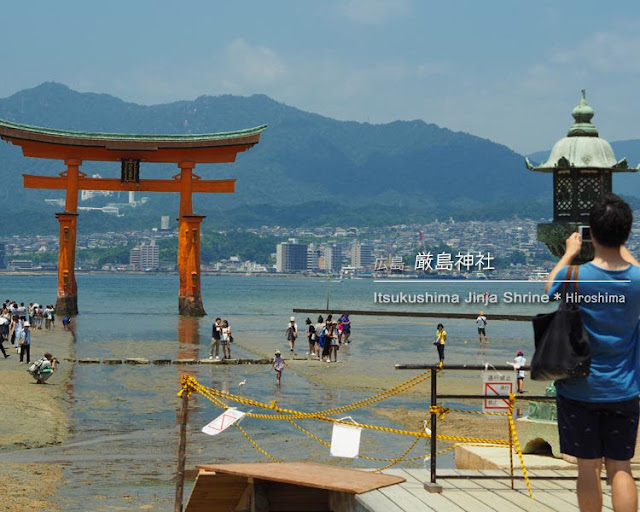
(477, 495)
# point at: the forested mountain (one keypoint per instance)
(307, 169)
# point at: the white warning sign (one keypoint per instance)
(496, 388)
(224, 421)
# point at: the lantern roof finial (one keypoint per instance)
(582, 114)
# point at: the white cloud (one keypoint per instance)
(374, 12)
(253, 64)
(604, 52)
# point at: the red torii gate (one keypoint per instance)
(184, 150)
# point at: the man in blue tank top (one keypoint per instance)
(598, 414)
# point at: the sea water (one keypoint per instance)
(121, 454)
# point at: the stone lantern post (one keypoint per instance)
(582, 165)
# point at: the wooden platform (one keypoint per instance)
(476, 495)
(289, 486)
(319, 488)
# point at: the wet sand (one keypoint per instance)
(37, 416)
(33, 416)
(362, 376)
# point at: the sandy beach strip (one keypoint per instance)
(33, 416)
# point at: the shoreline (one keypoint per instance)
(34, 416)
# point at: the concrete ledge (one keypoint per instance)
(144, 361)
(535, 434)
(136, 360)
(479, 456)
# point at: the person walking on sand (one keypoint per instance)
(225, 339)
(481, 324)
(24, 342)
(214, 350)
(292, 332)
(328, 336)
(312, 337)
(334, 343)
(441, 337)
(278, 365)
(2, 338)
(319, 336)
(346, 328)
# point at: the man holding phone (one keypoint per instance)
(585, 233)
(598, 414)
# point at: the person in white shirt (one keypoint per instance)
(518, 364)
(225, 339)
(481, 323)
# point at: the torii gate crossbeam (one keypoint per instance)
(184, 150)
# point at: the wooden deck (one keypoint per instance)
(476, 495)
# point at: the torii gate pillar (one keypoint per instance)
(189, 298)
(67, 302)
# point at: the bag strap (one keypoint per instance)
(571, 277)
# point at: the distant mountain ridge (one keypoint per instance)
(307, 169)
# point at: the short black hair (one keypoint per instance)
(610, 220)
(439, 325)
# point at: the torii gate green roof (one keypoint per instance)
(53, 143)
(122, 136)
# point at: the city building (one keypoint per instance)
(313, 258)
(361, 255)
(332, 257)
(86, 195)
(291, 256)
(145, 257)
(164, 223)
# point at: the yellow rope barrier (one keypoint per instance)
(255, 445)
(365, 457)
(190, 385)
(512, 427)
(394, 462)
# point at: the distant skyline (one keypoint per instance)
(503, 70)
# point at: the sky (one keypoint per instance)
(507, 70)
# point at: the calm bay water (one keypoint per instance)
(122, 451)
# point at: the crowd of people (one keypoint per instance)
(16, 323)
(324, 338)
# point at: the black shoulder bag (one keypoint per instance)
(562, 344)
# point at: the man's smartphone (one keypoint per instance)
(585, 233)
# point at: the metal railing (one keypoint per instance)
(432, 486)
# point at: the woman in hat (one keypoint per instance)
(292, 332)
(278, 365)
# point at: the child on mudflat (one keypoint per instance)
(278, 365)
(518, 363)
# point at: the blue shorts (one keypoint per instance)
(592, 430)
